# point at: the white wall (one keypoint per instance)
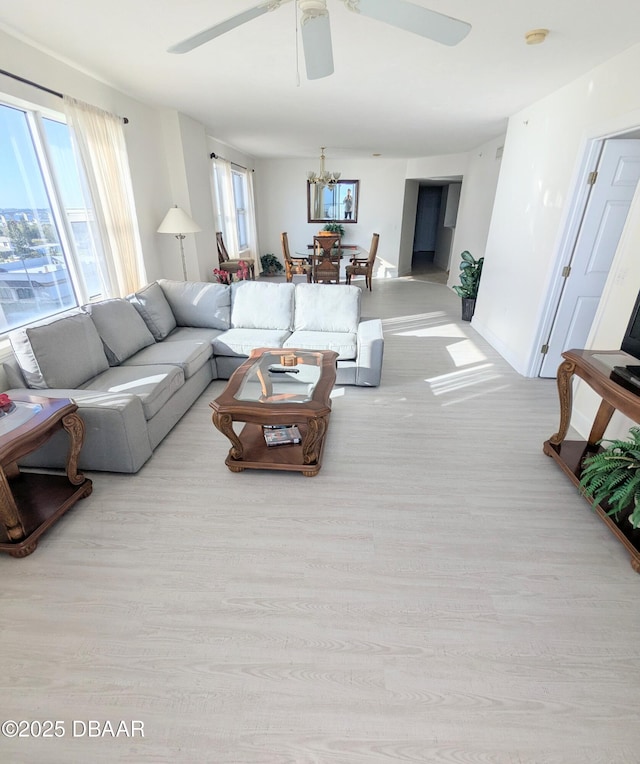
(281, 202)
(543, 150)
(476, 204)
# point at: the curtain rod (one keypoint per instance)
(41, 87)
(213, 155)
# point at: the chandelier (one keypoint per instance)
(324, 177)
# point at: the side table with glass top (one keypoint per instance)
(32, 501)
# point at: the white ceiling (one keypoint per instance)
(393, 92)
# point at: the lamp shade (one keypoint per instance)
(177, 221)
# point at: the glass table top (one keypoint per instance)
(21, 412)
(281, 377)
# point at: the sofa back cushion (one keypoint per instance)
(152, 305)
(327, 308)
(198, 303)
(121, 328)
(260, 305)
(63, 353)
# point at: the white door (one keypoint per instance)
(604, 218)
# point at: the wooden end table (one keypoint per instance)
(31, 502)
(596, 368)
(277, 386)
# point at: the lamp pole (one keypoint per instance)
(180, 237)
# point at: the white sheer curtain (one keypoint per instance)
(100, 142)
(252, 228)
(225, 205)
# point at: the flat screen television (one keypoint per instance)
(631, 341)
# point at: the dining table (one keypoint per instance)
(345, 252)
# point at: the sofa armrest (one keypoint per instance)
(116, 433)
(370, 353)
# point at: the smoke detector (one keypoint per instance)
(536, 36)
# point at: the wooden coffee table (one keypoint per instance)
(31, 502)
(277, 386)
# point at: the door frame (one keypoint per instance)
(580, 192)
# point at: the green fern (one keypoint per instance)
(613, 475)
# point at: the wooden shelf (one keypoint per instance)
(32, 501)
(257, 455)
(569, 456)
(596, 369)
(42, 500)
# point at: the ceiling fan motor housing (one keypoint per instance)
(312, 9)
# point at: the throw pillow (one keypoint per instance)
(260, 305)
(121, 328)
(327, 308)
(198, 303)
(63, 353)
(152, 305)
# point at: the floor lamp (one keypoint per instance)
(177, 222)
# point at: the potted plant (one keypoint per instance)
(613, 476)
(334, 228)
(270, 264)
(470, 271)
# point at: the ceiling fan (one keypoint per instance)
(316, 33)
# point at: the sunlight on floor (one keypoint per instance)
(465, 353)
(410, 325)
(459, 380)
(441, 330)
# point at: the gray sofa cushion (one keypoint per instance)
(192, 334)
(152, 305)
(240, 342)
(198, 303)
(319, 309)
(260, 305)
(189, 356)
(154, 387)
(121, 328)
(345, 344)
(62, 353)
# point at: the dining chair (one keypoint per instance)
(229, 265)
(326, 258)
(363, 266)
(294, 266)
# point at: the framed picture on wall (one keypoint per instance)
(333, 203)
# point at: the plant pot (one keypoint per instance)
(468, 308)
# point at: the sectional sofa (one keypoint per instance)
(134, 366)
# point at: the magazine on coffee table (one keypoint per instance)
(281, 435)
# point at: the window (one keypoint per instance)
(50, 255)
(239, 198)
(234, 209)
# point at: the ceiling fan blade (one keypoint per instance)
(225, 26)
(414, 18)
(316, 42)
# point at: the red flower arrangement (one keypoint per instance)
(6, 404)
(224, 277)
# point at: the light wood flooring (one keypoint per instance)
(438, 593)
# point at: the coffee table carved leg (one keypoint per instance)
(224, 423)
(74, 426)
(316, 429)
(9, 515)
(565, 393)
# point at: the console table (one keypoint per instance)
(595, 367)
(31, 502)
